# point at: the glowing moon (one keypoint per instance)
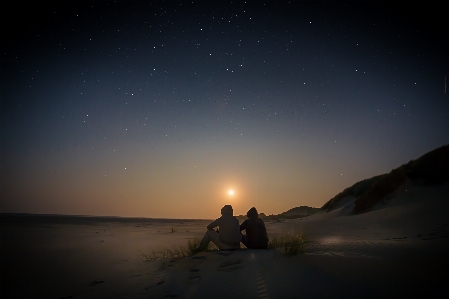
(231, 192)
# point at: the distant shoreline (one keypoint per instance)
(80, 219)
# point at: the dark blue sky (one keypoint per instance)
(157, 108)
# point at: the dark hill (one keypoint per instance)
(431, 168)
(298, 212)
(301, 211)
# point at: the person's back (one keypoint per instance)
(256, 232)
(229, 229)
(229, 235)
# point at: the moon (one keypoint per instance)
(231, 192)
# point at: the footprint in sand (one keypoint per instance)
(231, 265)
(225, 253)
(157, 282)
(261, 287)
(195, 277)
(95, 282)
(159, 279)
(201, 257)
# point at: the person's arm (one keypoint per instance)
(213, 224)
(243, 225)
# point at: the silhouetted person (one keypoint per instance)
(256, 233)
(229, 235)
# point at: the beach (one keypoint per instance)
(398, 249)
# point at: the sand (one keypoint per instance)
(397, 250)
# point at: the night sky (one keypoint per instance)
(157, 109)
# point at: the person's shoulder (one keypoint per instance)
(260, 220)
(226, 217)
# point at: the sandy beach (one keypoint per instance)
(399, 249)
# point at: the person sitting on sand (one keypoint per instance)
(256, 233)
(228, 236)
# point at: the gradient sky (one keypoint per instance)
(157, 109)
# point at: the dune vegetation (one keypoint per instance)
(431, 168)
(288, 244)
(285, 244)
(177, 251)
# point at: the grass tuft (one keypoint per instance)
(289, 244)
(177, 251)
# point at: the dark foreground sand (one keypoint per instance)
(398, 250)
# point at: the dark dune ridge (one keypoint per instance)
(430, 169)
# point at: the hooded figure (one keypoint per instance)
(256, 233)
(228, 236)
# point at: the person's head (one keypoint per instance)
(252, 213)
(227, 210)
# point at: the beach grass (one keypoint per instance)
(177, 251)
(288, 244)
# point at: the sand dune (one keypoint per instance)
(397, 250)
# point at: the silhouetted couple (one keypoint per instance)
(228, 236)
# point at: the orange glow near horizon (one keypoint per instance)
(185, 125)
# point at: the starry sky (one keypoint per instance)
(158, 108)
